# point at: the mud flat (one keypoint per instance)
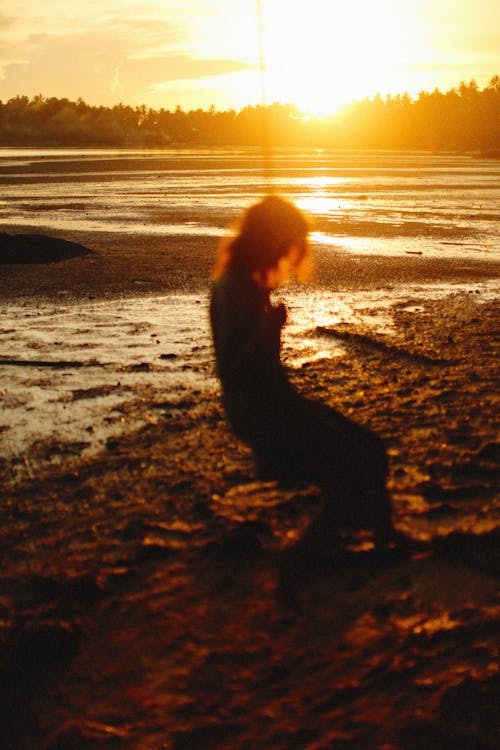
(139, 599)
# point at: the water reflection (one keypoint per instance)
(358, 195)
(323, 204)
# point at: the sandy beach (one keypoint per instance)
(139, 594)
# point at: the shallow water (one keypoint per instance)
(388, 203)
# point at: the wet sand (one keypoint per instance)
(130, 264)
(139, 597)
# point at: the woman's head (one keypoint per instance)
(272, 234)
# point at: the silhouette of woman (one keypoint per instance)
(292, 437)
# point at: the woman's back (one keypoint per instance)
(246, 330)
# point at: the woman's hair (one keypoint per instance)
(266, 233)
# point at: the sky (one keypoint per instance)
(317, 54)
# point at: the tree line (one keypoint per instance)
(463, 118)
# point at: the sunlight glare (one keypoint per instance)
(325, 53)
(318, 55)
(322, 203)
(316, 204)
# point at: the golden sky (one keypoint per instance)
(195, 53)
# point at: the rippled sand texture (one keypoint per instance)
(143, 583)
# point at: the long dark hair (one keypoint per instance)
(266, 233)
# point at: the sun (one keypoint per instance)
(324, 53)
(318, 54)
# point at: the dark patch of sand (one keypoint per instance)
(37, 249)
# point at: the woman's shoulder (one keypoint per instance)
(234, 282)
(236, 296)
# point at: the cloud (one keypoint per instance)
(177, 68)
(107, 65)
(6, 22)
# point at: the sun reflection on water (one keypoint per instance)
(322, 203)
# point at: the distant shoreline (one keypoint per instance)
(473, 153)
(463, 118)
